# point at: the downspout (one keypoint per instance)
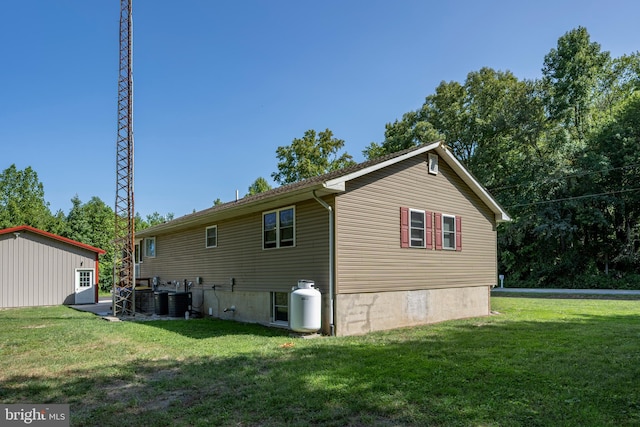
(331, 260)
(96, 297)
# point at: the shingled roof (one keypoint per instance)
(332, 182)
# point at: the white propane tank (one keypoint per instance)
(305, 305)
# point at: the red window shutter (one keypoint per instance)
(429, 229)
(458, 233)
(404, 227)
(438, 231)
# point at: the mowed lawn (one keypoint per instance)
(539, 362)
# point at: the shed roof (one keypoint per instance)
(332, 182)
(23, 228)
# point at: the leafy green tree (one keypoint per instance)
(559, 153)
(446, 111)
(619, 79)
(92, 223)
(216, 202)
(151, 220)
(579, 215)
(409, 132)
(309, 156)
(260, 185)
(58, 223)
(615, 155)
(78, 223)
(572, 71)
(156, 218)
(22, 199)
(489, 122)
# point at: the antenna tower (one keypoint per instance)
(124, 263)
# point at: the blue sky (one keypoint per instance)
(219, 85)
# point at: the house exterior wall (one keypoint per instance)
(361, 313)
(36, 270)
(369, 256)
(371, 260)
(379, 285)
(239, 255)
(251, 307)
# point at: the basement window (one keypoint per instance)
(280, 308)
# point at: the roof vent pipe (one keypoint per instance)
(331, 260)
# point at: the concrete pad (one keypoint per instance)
(102, 308)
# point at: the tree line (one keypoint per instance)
(561, 153)
(22, 202)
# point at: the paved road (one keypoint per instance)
(566, 291)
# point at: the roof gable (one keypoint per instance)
(332, 182)
(22, 228)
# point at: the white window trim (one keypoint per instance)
(424, 227)
(138, 259)
(277, 212)
(154, 246)
(206, 236)
(433, 163)
(453, 232)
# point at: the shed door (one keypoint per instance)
(85, 292)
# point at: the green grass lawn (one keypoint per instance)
(540, 362)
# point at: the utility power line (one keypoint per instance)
(504, 187)
(574, 198)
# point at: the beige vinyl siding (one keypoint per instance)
(369, 256)
(239, 254)
(36, 270)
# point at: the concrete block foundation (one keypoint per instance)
(366, 312)
(357, 314)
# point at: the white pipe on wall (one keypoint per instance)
(331, 260)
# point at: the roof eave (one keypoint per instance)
(328, 186)
(340, 181)
(34, 230)
(234, 209)
(500, 214)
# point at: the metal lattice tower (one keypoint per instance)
(124, 262)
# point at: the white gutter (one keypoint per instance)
(331, 260)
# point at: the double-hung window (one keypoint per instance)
(448, 232)
(150, 247)
(278, 228)
(137, 258)
(211, 236)
(417, 229)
